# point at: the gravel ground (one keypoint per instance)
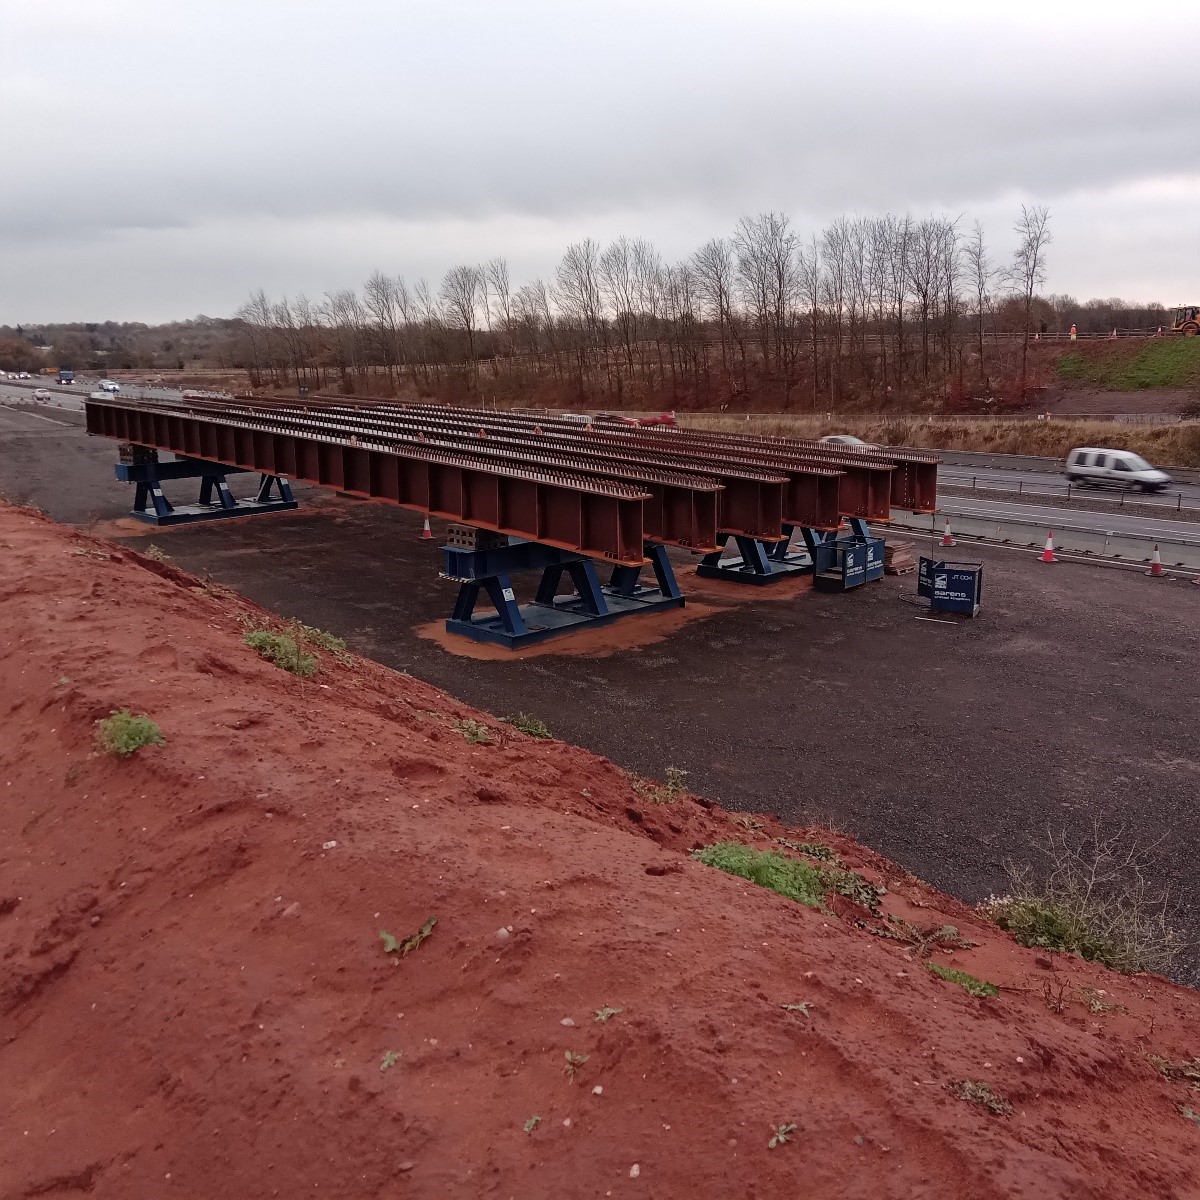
(951, 748)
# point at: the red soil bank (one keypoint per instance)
(195, 1000)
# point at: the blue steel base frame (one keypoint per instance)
(758, 562)
(836, 562)
(489, 572)
(151, 505)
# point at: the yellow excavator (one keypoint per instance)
(1187, 320)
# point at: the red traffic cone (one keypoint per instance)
(1112, 335)
(1156, 571)
(1048, 553)
(947, 536)
(426, 533)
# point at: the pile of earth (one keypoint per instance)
(197, 997)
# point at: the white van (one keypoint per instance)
(1115, 468)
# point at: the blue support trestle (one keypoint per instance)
(757, 561)
(488, 572)
(216, 500)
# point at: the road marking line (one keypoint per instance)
(22, 413)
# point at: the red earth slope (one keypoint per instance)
(195, 1000)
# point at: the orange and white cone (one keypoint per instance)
(947, 536)
(1156, 569)
(426, 532)
(1048, 553)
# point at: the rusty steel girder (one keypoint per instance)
(817, 494)
(749, 501)
(810, 492)
(597, 517)
(681, 509)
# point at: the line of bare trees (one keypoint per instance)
(871, 309)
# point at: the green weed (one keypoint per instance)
(674, 786)
(574, 1062)
(789, 877)
(977, 987)
(817, 850)
(122, 734)
(405, 946)
(281, 650)
(476, 733)
(606, 1013)
(800, 1008)
(389, 1060)
(781, 1135)
(532, 1123)
(530, 726)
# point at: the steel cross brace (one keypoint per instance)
(151, 504)
(489, 573)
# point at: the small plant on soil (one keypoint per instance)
(800, 1008)
(476, 733)
(981, 1094)
(1189, 1115)
(922, 940)
(667, 792)
(531, 1124)
(574, 1062)
(977, 987)
(405, 946)
(157, 554)
(530, 726)
(606, 1013)
(781, 1135)
(325, 641)
(389, 1060)
(1188, 1071)
(789, 877)
(122, 734)
(817, 850)
(282, 651)
(1095, 899)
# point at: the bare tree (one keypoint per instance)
(383, 304)
(1027, 271)
(461, 295)
(980, 274)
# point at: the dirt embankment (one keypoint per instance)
(196, 1000)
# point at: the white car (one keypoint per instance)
(41, 393)
(107, 385)
(1102, 467)
(846, 439)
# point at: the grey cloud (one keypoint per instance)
(168, 133)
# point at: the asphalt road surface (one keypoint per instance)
(1051, 483)
(1110, 521)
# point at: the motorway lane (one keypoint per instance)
(1114, 522)
(1055, 484)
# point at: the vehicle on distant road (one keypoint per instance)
(107, 385)
(41, 393)
(846, 439)
(65, 376)
(1114, 468)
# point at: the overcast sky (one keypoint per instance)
(162, 158)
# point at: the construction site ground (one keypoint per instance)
(206, 989)
(952, 748)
